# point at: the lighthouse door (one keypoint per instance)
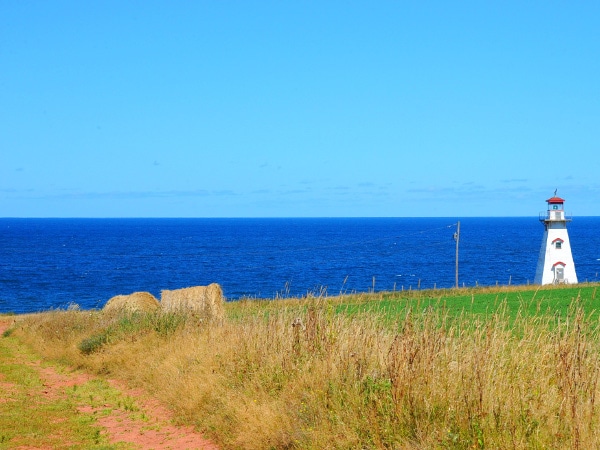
(560, 274)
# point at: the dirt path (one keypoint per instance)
(149, 428)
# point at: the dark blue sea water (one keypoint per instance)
(50, 263)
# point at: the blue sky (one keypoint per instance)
(298, 108)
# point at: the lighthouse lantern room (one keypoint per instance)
(555, 263)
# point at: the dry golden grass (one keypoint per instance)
(298, 374)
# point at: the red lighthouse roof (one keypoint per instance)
(555, 200)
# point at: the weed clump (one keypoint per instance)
(92, 344)
(7, 332)
(130, 327)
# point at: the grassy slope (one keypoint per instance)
(498, 368)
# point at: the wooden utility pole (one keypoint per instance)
(457, 239)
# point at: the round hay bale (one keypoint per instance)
(136, 302)
(206, 301)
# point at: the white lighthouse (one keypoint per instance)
(555, 263)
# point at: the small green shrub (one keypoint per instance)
(7, 332)
(92, 344)
(166, 324)
(132, 327)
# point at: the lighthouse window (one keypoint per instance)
(558, 244)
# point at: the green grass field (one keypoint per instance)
(482, 302)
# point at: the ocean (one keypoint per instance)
(52, 263)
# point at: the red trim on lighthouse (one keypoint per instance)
(557, 263)
(557, 240)
(555, 200)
